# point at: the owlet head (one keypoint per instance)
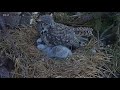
(46, 21)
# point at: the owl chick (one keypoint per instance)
(59, 51)
(53, 33)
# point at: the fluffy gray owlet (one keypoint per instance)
(58, 51)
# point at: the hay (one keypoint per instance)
(20, 46)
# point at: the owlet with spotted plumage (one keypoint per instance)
(53, 33)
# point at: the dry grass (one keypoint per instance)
(20, 46)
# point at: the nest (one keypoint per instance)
(20, 46)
